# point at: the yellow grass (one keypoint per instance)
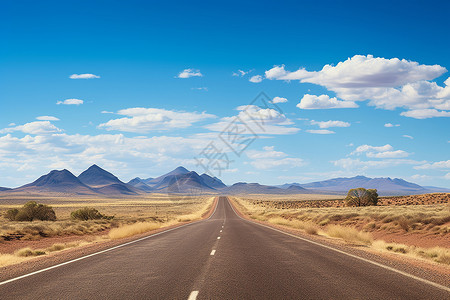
(10, 259)
(349, 234)
(133, 229)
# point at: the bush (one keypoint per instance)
(362, 197)
(87, 213)
(32, 211)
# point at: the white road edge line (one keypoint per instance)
(193, 295)
(213, 252)
(106, 250)
(351, 255)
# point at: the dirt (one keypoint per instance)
(428, 240)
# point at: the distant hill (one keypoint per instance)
(140, 184)
(57, 182)
(256, 188)
(213, 182)
(156, 181)
(385, 186)
(182, 183)
(4, 189)
(105, 182)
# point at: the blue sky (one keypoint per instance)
(362, 87)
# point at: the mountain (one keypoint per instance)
(140, 184)
(435, 189)
(155, 181)
(4, 189)
(385, 186)
(213, 182)
(105, 182)
(256, 188)
(59, 182)
(181, 183)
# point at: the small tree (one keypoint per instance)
(362, 197)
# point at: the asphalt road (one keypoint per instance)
(248, 261)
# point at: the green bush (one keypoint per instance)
(87, 213)
(362, 197)
(31, 211)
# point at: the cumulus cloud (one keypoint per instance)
(386, 151)
(391, 125)
(269, 158)
(385, 83)
(256, 79)
(47, 118)
(144, 120)
(323, 102)
(187, 73)
(425, 113)
(71, 102)
(330, 123)
(320, 131)
(445, 165)
(38, 127)
(279, 100)
(256, 120)
(83, 76)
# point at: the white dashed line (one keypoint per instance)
(193, 295)
(213, 252)
(218, 237)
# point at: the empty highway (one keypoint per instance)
(223, 257)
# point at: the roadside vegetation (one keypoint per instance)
(359, 225)
(93, 220)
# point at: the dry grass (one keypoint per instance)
(133, 229)
(349, 234)
(437, 254)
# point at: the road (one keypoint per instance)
(249, 262)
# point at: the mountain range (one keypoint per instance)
(97, 181)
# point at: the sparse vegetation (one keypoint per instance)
(88, 213)
(133, 229)
(31, 211)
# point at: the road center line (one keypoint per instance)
(213, 252)
(193, 295)
(221, 230)
(218, 237)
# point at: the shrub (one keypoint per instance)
(32, 211)
(87, 213)
(362, 197)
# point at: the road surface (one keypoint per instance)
(223, 257)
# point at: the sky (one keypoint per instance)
(254, 91)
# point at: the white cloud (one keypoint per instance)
(256, 79)
(241, 73)
(200, 88)
(391, 125)
(425, 113)
(408, 136)
(323, 102)
(47, 118)
(256, 120)
(385, 83)
(420, 177)
(269, 158)
(279, 73)
(320, 131)
(107, 112)
(279, 100)
(359, 165)
(143, 120)
(83, 76)
(388, 154)
(330, 123)
(187, 73)
(38, 127)
(445, 164)
(368, 148)
(71, 102)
